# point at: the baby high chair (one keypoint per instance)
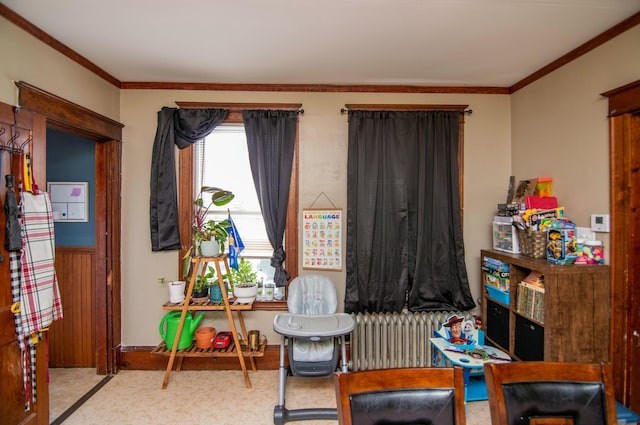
(310, 330)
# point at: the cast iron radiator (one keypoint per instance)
(391, 340)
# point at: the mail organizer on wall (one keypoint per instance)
(69, 201)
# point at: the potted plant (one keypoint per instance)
(245, 285)
(200, 289)
(207, 230)
(211, 237)
(176, 289)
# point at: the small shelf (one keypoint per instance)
(193, 351)
(206, 305)
(575, 323)
(237, 348)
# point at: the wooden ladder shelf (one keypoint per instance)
(237, 348)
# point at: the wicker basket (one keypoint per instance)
(533, 243)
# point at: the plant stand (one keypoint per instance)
(238, 348)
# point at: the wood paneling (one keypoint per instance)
(55, 112)
(72, 339)
(624, 157)
(12, 395)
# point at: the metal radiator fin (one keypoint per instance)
(391, 340)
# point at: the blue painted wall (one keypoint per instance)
(72, 158)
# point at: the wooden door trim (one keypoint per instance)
(622, 102)
(72, 118)
(68, 116)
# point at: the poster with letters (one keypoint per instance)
(322, 231)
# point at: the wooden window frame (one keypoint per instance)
(186, 189)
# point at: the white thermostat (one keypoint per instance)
(600, 222)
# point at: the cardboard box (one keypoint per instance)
(562, 245)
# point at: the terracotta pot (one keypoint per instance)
(204, 337)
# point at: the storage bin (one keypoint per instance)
(497, 294)
(529, 340)
(505, 237)
(533, 243)
(497, 326)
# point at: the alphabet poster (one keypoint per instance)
(322, 239)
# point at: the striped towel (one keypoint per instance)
(39, 294)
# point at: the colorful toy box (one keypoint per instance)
(562, 245)
(496, 273)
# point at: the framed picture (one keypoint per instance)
(322, 231)
(69, 201)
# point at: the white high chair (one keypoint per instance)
(311, 330)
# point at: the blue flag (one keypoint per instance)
(235, 244)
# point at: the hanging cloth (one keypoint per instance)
(39, 295)
(35, 292)
(12, 236)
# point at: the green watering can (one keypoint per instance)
(172, 320)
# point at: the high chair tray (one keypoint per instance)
(304, 325)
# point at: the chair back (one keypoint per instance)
(401, 396)
(550, 393)
(312, 294)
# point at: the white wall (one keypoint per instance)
(556, 126)
(560, 127)
(24, 58)
(323, 168)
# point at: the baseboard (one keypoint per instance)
(140, 358)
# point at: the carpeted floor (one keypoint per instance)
(210, 397)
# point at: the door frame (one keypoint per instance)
(624, 160)
(69, 117)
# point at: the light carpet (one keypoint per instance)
(212, 397)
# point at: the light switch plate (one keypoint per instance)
(600, 222)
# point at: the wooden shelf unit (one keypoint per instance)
(237, 348)
(576, 312)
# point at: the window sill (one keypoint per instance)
(270, 305)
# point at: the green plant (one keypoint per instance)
(244, 274)
(200, 284)
(212, 231)
(162, 280)
(207, 230)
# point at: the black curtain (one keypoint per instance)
(271, 140)
(404, 227)
(181, 127)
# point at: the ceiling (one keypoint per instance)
(476, 43)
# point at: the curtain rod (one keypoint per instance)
(465, 111)
(239, 107)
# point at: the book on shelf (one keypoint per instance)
(530, 301)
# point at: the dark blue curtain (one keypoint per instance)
(182, 128)
(404, 224)
(271, 139)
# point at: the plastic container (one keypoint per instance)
(593, 251)
(505, 237)
(498, 295)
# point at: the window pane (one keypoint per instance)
(222, 160)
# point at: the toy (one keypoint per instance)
(562, 244)
(593, 252)
(222, 340)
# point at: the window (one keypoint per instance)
(189, 182)
(222, 160)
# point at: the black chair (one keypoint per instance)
(401, 396)
(550, 393)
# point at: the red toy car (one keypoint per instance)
(222, 340)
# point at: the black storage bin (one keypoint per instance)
(529, 340)
(498, 324)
